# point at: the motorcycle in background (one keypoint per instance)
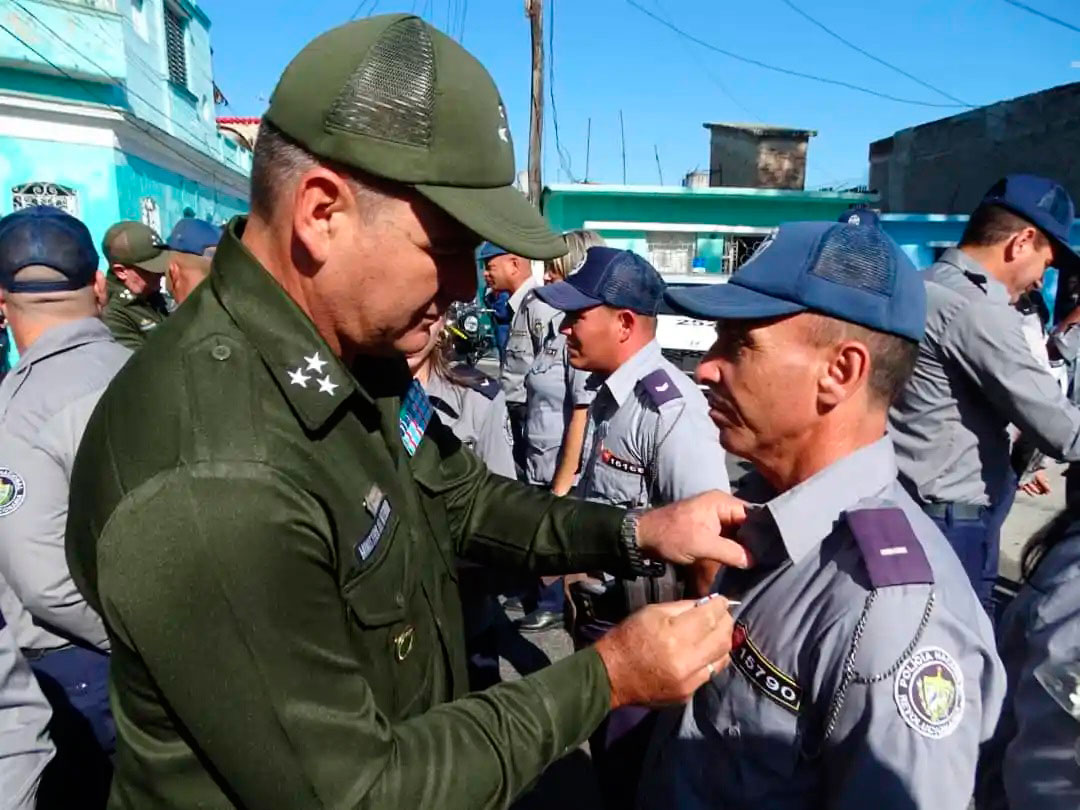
(469, 329)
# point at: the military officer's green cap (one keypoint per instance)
(396, 98)
(135, 244)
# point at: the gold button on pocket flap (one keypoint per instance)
(403, 643)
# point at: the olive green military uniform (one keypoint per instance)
(131, 319)
(131, 244)
(277, 576)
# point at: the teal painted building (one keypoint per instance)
(107, 109)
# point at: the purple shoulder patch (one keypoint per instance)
(890, 550)
(660, 388)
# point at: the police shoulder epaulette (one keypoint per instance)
(890, 550)
(659, 387)
(475, 379)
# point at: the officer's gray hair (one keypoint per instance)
(892, 358)
(278, 162)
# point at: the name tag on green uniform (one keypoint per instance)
(379, 508)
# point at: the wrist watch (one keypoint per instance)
(629, 539)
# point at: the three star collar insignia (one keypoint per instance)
(312, 371)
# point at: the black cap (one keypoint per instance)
(46, 236)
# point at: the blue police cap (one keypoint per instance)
(47, 236)
(617, 278)
(191, 235)
(860, 215)
(1043, 203)
(489, 251)
(855, 274)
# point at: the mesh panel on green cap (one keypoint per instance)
(391, 95)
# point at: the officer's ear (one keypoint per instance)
(626, 320)
(847, 372)
(101, 293)
(1021, 243)
(322, 205)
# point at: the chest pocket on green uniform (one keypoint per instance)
(379, 588)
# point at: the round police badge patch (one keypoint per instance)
(12, 491)
(929, 692)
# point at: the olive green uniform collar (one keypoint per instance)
(312, 378)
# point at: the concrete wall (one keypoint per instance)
(749, 160)
(947, 165)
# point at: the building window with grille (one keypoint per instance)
(175, 50)
(671, 253)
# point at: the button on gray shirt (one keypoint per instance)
(641, 454)
(25, 745)
(530, 326)
(974, 376)
(45, 403)
(1031, 762)
(755, 735)
(553, 389)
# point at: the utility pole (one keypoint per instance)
(588, 148)
(622, 136)
(534, 10)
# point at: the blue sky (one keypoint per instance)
(610, 56)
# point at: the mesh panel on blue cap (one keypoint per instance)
(392, 94)
(633, 284)
(856, 257)
(1056, 204)
(60, 243)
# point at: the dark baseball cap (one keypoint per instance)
(1045, 204)
(196, 236)
(855, 274)
(396, 98)
(135, 245)
(489, 251)
(47, 236)
(860, 215)
(616, 278)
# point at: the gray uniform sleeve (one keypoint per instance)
(1040, 768)
(885, 754)
(25, 746)
(689, 459)
(32, 557)
(986, 340)
(493, 439)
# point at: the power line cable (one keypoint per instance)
(1044, 15)
(712, 76)
(359, 8)
(870, 55)
(199, 137)
(786, 71)
(564, 157)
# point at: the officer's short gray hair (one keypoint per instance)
(892, 358)
(277, 163)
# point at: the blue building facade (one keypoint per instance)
(107, 110)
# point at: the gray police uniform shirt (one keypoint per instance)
(553, 388)
(863, 672)
(45, 403)
(649, 438)
(1031, 762)
(475, 411)
(974, 376)
(25, 745)
(530, 326)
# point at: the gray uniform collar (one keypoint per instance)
(622, 381)
(978, 275)
(806, 514)
(519, 294)
(62, 338)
